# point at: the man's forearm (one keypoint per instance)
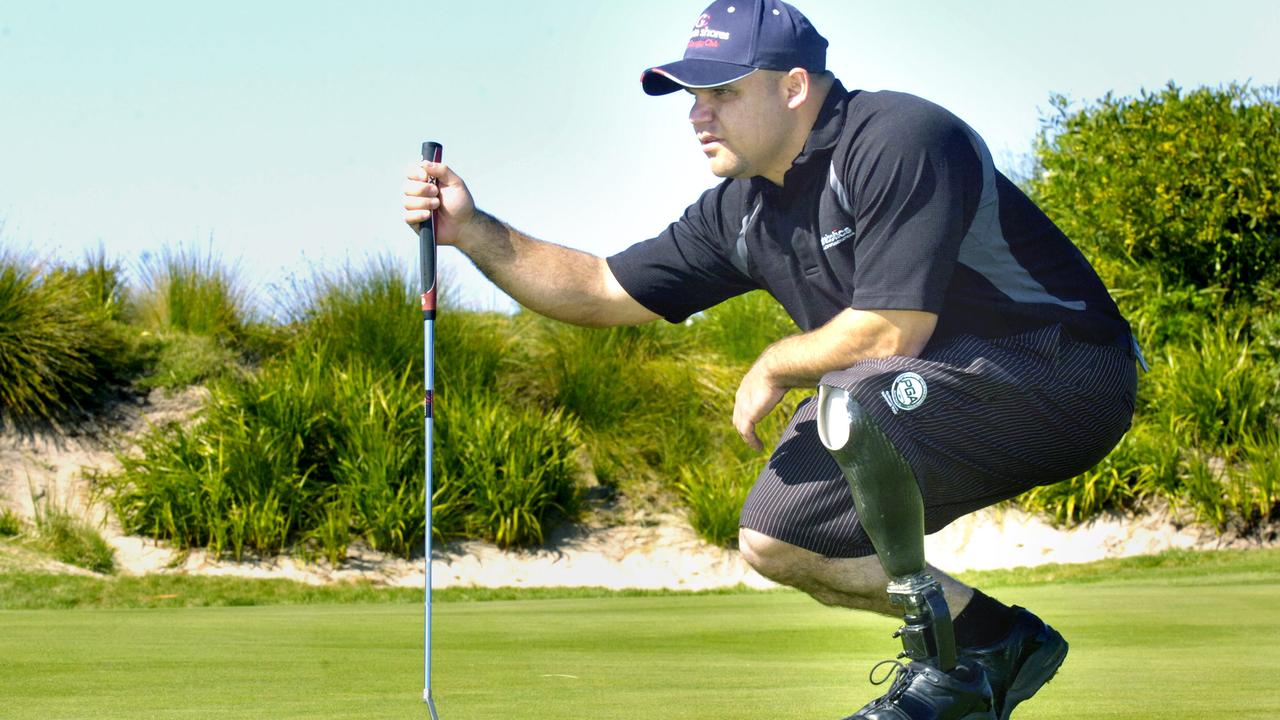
(853, 336)
(553, 280)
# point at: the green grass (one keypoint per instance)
(1154, 642)
(25, 590)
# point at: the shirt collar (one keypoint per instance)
(826, 131)
(826, 128)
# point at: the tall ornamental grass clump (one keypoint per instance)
(611, 382)
(248, 475)
(311, 454)
(59, 345)
(655, 402)
(373, 313)
(69, 538)
(713, 494)
(11, 524)
(367, 312)
(741, 328)
(188, 290)
(194, 313)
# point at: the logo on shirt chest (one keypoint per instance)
(835, 237)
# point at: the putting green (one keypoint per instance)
(1162, 647)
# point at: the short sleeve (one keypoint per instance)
(690, 266)
(917, 179)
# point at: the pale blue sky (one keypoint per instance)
(282, 129)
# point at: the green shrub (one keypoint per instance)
(597, 375)
(616, 383)
(378, 464)
(188, 290)
(11, 523)
(504, 471)
(1217, 382)
(1182, 181)
(310, 453)
(372, 315)
(1160, 314)
(1256, 497)
(471, 351)
(177, 359)
(248, 475)
(72, 540)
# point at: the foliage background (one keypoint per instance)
(311, 437)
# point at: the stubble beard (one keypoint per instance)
(729, 165)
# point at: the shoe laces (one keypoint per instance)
(900, 683)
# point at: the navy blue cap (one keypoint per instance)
(734, 38)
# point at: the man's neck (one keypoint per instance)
(805, 121)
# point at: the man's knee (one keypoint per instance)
(770, 557)
(806, 570)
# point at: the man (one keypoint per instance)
(963, 349)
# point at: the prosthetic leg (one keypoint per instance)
(892, 513)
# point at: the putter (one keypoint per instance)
(432, 151)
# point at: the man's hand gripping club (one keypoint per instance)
(448, 196)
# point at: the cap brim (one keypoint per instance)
(691, 74)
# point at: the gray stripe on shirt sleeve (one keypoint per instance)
(739, 256)
(842, 197)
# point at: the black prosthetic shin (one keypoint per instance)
(891, 511)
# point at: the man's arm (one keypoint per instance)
(556, 281)
(553, 280)
(802, 360)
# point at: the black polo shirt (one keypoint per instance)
(894, 204)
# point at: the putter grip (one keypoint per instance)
(434, 152)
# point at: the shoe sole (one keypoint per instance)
(1037, 670)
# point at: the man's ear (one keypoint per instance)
(798, 85)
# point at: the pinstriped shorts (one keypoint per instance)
(979, 421)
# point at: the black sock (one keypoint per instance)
(984, 621)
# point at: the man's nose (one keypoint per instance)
(700, 114)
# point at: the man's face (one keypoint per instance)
(742, 125)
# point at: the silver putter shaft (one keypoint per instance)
(432, 151)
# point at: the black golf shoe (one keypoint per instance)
(923, 692)
(1020, 664)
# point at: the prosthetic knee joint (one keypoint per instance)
(891, 511)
